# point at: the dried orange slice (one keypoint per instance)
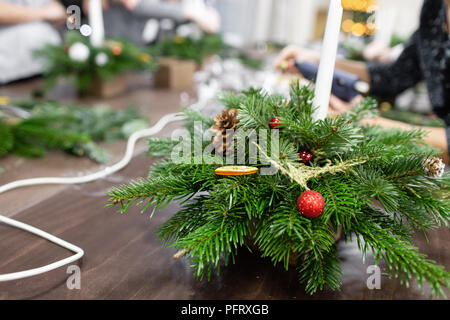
(235, 170)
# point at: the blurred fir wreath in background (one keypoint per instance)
(201, 47)
(72, 128)
(77, 58)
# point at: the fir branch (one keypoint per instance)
(160, 147)
(230, 100)
(6, 138)
(373, 185)
(343, 199)
(402, 259)
(192, 116)
(354, 167)
(185, 221)
(214, 242)
(159, 190)
(316, 272)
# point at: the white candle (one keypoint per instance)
(324, 80)
(96, 22)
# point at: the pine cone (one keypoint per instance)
(434, 167)
(227, 120)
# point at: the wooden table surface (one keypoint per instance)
(123, 257)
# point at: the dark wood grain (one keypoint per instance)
(123, 257)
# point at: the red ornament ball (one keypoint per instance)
(310, 204)
(306, 156)
(274, 123)
(116, 50)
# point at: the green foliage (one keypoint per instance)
(72, 128)
(413, 118)
(121, 56)
(160, 147)
(396, 40)
(373, 182)
(101, 123)
(31, 137)
(7, 138)
(353, 52)
(403, 260)
(249, 61)
(188, 48)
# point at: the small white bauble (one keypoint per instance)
(189, 31)
(185, 30)
(79, 52)
(101, 59)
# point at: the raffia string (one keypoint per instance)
(302, 174)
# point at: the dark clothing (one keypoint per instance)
(426, 58)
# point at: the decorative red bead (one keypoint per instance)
(116, 50)
(306, 156)
(310, 204)
(274, 123)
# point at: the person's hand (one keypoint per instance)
(207, 19)
(289, 55)
(338, 106)
(130, 4)
(85, 5)
(54, 12)
(376, 51)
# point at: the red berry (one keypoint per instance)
(310, 204)
(275, 122)
(306, 156)
(116, 50)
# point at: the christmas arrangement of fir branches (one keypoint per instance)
(78, 59)
(72, 128)
(198, 49)
(374, 186)
(188, 48)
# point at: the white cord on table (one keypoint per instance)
(32, 272)
(74, 180)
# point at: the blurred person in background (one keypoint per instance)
(426, 57)
(205, 17)
(26, 25)
(136, 20)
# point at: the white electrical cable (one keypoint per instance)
(32, 272)
(74, 180)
